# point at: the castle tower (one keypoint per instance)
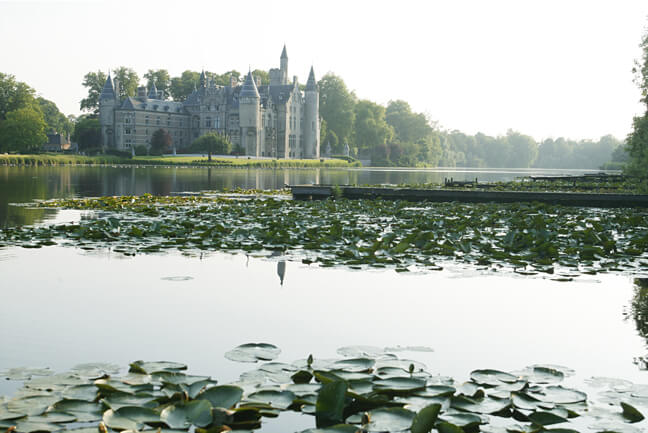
(311, 126)
(250, 117)
(203, 79)
(283, 66)
(153, 93)
(108, 101)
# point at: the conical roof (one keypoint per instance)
(311, 84)
(284, 53)
(249, 89)
(108, 91)
(153, 91)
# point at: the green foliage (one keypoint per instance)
(23, 131)
(160, 77)
(182, 86)
(337, 108)
(371, 129)
(94, 82)
(141, 150)
(87, 133)
(637, 140)
(13, 95)
(161, 142)
(128, 81)
(212, 142)
(55, 120)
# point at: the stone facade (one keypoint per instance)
(276, 120)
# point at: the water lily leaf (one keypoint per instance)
(303, 389)
(275, 399)
(446, 427)
(253, 352)
(302, 377)
(393, 419)
(95, 370)
(52, 418)
(157, 366)
(492, 377)
(559, 395)
(546, 418)
(361, 351)
(436, 391)
(84, 411)
(225, 396)
(466, 421)
(55, 382)
(197, 412)
(354, 365)
(425, 419)
(116, 421)
(618, 385)
(409, 349)
(330, 403)
(338, 428)
(631, 413)
(399, 385)
(25, 373)
(34, 405)
(524, 401)
(80, 392)
(28, 427)
(483, 405)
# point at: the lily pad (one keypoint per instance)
(182, 416)
(276, 399)
(559, 395)
(253, 352)
(224, 396)
(157, 366)
(25, 373)
(361, 351)
(492, 377)
(399, 385)
(393, 419)
(425, 419)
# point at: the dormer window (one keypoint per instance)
(166, 108)
(143, 106)
(155, 107)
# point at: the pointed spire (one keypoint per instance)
(284, 53)
(202, 79)
(108, 91)
(249, 89)
(311, 84)
(153, 93)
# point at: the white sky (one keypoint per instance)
(545, 68)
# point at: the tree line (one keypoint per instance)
(637, 140)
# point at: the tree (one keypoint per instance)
(408, 126)
(637, 141)
(128, 81)
(55, 120)
(337, 108)
(182, 86)
(13, 95)
(371, 129)
(87, 133)
(94, 82)
(160, 77)
(212, 142)
(161, 142)
(524, 150)
(23, 131)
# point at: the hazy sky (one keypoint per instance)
(545, 68)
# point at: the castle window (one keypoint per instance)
(157, 121)
(127, 131)
(168, 123)
(146, 120)
(127, 120)
(208, 122)
(155, 107)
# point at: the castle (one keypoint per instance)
(276, 120)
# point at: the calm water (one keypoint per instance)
(63, 306)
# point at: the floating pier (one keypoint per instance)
(317, 192)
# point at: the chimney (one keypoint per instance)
(141, 93)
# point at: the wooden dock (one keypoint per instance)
(316, 192)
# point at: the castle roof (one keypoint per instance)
(311, 84)
(284, 54)
(153, 92)
(249, 89)
(108, 91)
(159, 105)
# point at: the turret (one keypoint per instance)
(311, 126)
(203, 79)
(108, 101)
(250, 116)
(153, 92)
(283, 66)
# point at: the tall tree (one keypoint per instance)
(94, 82)
(23, 130)
(408, 126)
(161, 142)
(128, 81)
(212, 142)
(87, 133)
(637, 141)
(160, 77)
(55, 120)
(182, 86)
(371, 129)
(13, 95)
(337, 108)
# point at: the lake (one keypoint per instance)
(63, 306)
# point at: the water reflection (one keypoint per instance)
(639, 313)
(281, 270)
(25, 184)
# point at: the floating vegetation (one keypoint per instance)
(527, 238)
(378, 392)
